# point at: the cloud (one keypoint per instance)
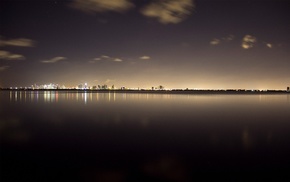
(21, 42)
(54, 60)
(2, 68)
(97, 59)
(6, 55)
(229, 38)
(105, 57)
(248, 41)
(118, 60)
(145, 57)
(215, 42)
(169, 11)
(269, 45)
(16, 57)
(101, 6)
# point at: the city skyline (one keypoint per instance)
(179, 44)
(104, 87)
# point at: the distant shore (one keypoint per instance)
(174, 91)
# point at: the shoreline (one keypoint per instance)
(258, 92)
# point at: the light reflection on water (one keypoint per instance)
(53, 96)
(106, 134)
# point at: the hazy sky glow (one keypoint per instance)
(143, 43)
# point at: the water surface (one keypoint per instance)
(56, 136)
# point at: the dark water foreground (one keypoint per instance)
(57, 136)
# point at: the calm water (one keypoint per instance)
(53, 136)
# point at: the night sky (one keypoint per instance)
(209, 44)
